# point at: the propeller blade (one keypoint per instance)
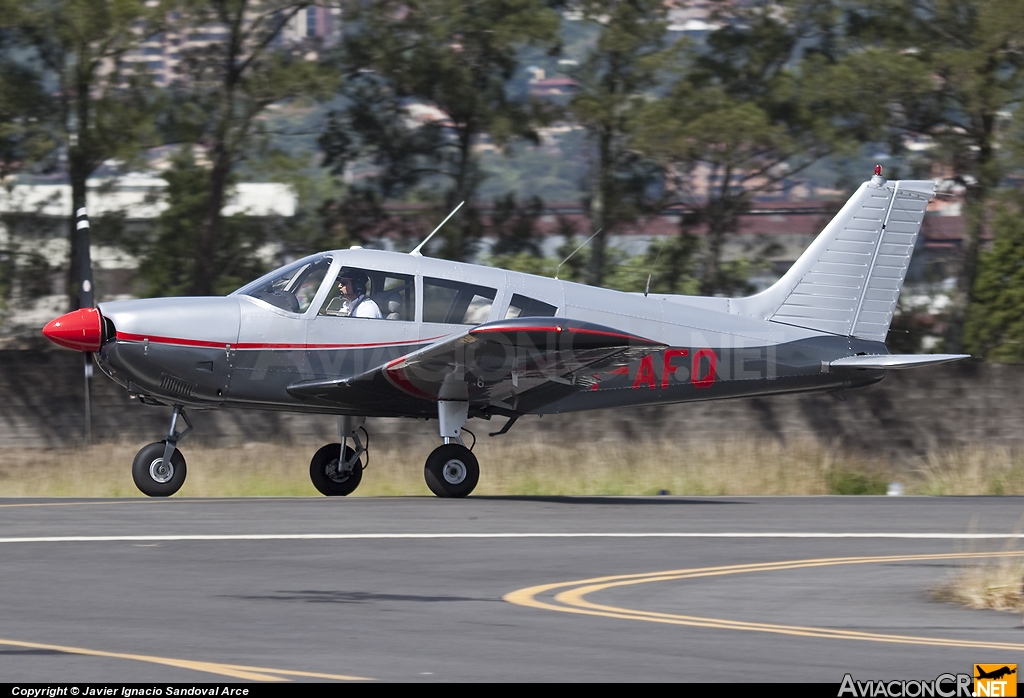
(86, 298)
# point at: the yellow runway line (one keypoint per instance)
(572, 599)
(235, 671)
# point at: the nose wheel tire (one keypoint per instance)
(153, 476)
(330, 476)
(451, 471)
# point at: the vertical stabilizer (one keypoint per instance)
(849, 279)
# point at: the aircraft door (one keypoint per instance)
(366, 319)
(272, 351)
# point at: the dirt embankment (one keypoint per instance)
(910, 413)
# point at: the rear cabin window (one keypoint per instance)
(521, 306)
(456, 303)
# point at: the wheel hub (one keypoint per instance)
(161, 472)
(338, 472)
(454, 472)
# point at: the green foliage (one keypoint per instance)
(574, 265)
(327, 214)
(670, 266)
(995, 321)
(26, 141)
(101, 108)
(449, 55)
(515, 225)
(554, 172)
(841, 481)
(227, 87)
(167, 268)
(613, 83)
(524, 262)
(738, 119)
(78, 45)
(948, 70)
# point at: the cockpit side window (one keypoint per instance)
(523, 306)
(373, 294)
(293, 287)
(456, 303)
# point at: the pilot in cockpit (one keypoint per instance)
(352, 287)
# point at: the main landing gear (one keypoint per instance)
(159, 468)
(452, 469)
(336, 469)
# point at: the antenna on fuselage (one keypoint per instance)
(559, 267)
(416, 252)
(661, 248)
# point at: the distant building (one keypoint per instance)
(552, 87)
(34, 237)
(160, 55)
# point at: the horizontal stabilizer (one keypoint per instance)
(896, 360)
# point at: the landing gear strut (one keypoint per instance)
(159, 468)
(452, 469)
(336, 469)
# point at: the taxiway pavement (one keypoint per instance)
(424, 589)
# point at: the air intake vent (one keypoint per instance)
(177, 386)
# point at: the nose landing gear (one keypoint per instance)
(159, 468)
(336, 469)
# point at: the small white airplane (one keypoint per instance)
(359, 333)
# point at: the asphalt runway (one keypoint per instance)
(497, 589)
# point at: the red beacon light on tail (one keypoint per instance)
(878, 170)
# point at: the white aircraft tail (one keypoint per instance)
(849, 279)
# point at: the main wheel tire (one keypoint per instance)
(152, 476)
(323, 471)
(451, 471)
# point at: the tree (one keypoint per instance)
(613, 83)
(948, 70)
(994, 330)
(515, 225)
(450, 56)
(742, 116)
(179, 229)
(25, 139)
(103, 107)
(225, 88)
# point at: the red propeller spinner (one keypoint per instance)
(81, 330)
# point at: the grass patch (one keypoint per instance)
(843, 481)
(528, 467)
(523, 467)
(996, 584)
(992, 470)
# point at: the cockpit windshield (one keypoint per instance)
(292, 287)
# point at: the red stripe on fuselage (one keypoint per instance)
(182, 341)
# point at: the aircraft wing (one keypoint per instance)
(516, 365)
